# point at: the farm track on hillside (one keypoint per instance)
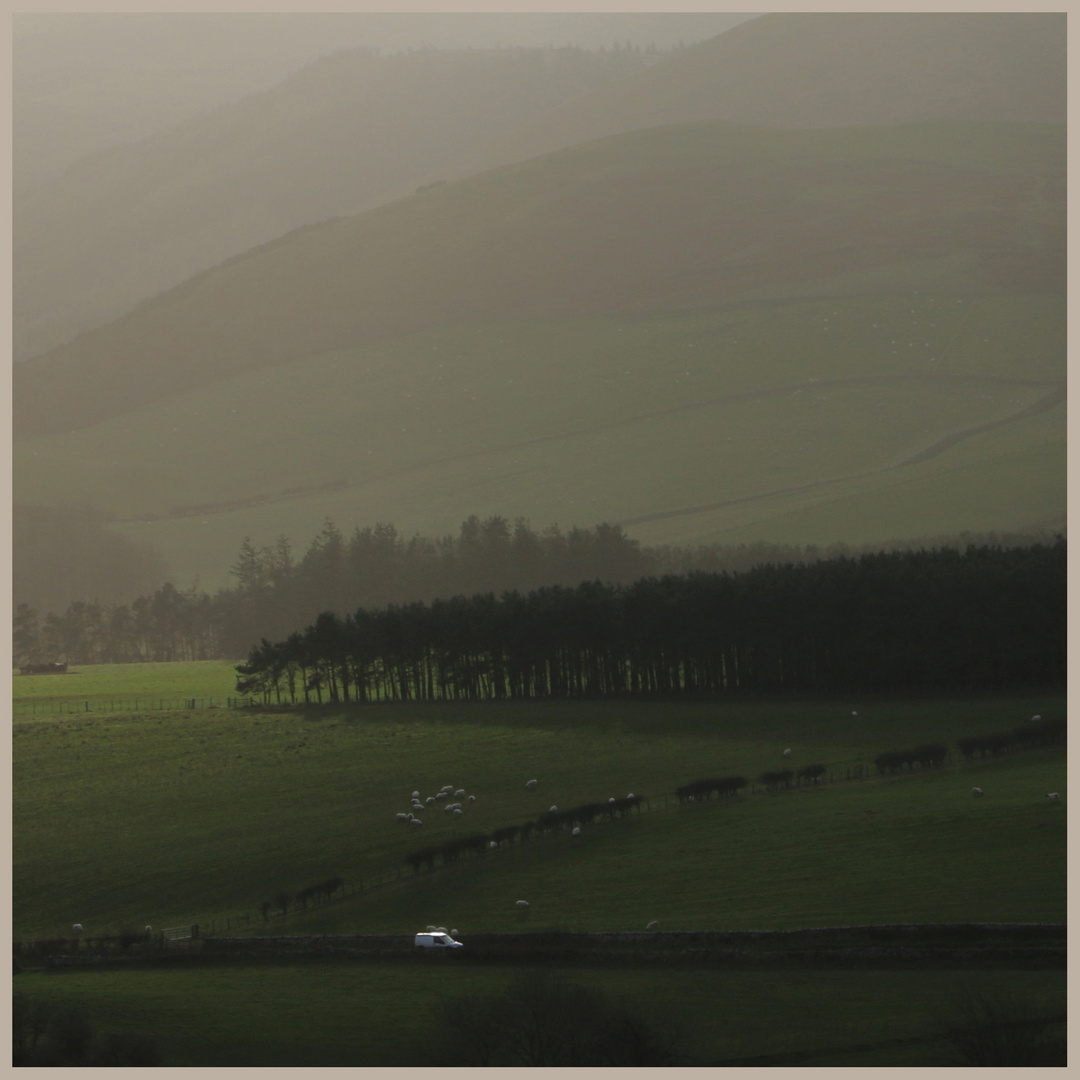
(1048, 401)
(1055, 397)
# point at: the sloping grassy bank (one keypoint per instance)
(163, 820)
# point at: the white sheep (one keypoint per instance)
(402, 817)
(493, 844)
(458, 812)
(1053, 796)
(786, 753)
(460, 793)
(454, 933)
(442, 795)
(149, 929)
(77, 928)
(654, 925)
(430, 929)
(416, 794)
(553, 810)
(612, 799)
(1036, 718)
(522, 905)
(472, 798)
(430, 799)
(575, 831)
(415, 821)
(976, 791)
(530, 785)
(631, 795)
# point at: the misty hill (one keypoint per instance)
(665, 219)
(87, 80)
(826, 70)
(354, 131)
(707, 332)
(347, 133)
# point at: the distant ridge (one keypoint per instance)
(354, 131)
(826, 70)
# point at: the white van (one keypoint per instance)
(437, 941)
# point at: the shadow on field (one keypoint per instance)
(544, 1019)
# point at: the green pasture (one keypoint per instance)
(386, 1014)
(581, 420)
(186, 817)
(104, 684)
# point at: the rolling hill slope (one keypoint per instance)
(825, 70)
(712, 331)
(355, 130)
(347, 133)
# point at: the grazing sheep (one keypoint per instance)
(976, 791)
(415, 821)
(1053, 796)
(530, 785)
(575, 831)
(402, 817)
(786, 753)
(416, 794)
(553, 810)
(654, 925)
(472, 798)
(631, 795)
(77, 928)
(442, 795)
(1036, 718)
(149, 929)
(612, 799)
(458, 812)
(460, 793)
(522, 905)
(430, 929)
(454, 933)
(430, 799)
(492, 844)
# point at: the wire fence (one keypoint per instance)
(68, 707)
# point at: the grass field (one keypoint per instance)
(171, 818)
(104, 684)
(386, 1014)
(167, 818)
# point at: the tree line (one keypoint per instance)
(982, 619)
(274, 591)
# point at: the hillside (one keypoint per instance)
(670, 219)
(860, 331)
(348, 132)
(355, 130)
(84, 81)
(825, 70)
